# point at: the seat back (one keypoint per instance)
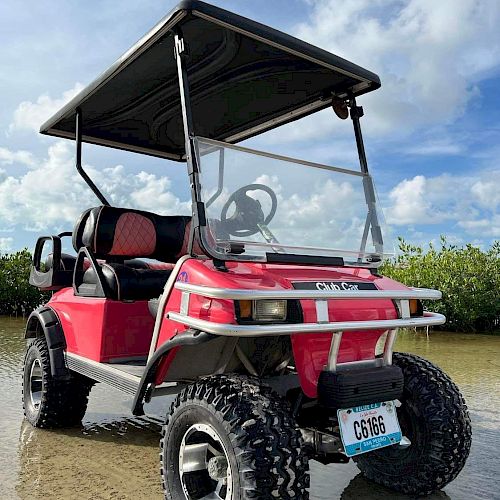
(126, 233)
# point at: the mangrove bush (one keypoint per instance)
(468, 277)
(17, 296)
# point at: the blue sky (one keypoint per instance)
(432, 131)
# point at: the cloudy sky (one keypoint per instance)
(432, 131)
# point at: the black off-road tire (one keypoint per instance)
(434, 417)
(260, 436)
(63, 402)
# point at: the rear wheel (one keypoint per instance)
(231, 438)
(50, 403)
(434, 417)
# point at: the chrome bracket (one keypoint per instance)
(389, 346)
(334, 352)
(333, 365)
(184, 309)
(322, 311)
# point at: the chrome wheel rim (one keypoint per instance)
(36, 385)
(204, 464)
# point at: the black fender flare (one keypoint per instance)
(45, 319)
(185, 338)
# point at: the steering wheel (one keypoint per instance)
(248, 214)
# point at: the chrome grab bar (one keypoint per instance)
(225, 329)
(282, 293)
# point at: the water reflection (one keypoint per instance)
(359, 487)
(115, 459)
(114, 456)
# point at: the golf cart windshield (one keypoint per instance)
(270, 208)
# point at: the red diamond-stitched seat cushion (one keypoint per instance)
(134, 235)
(121, 232)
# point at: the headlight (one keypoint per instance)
(261, 310)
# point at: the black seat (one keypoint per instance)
(117, 235)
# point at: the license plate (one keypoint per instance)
(369, 427)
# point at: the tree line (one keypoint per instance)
(468, 277)
(17, 296)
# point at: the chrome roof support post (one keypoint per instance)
(78, 163)
(198, 209)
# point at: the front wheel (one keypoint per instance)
(231, 438)
(434, 417)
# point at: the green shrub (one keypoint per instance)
(17, 296)
(468, 277)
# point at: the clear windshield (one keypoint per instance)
(258, 204)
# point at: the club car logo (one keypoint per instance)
(322, 285)
(183, 277)
(329, 286)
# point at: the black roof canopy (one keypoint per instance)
(244, 78)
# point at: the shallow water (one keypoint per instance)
(115, 456)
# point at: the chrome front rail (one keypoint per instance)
(244, 294)
(429, 319)
(401, 297)
(323, 324)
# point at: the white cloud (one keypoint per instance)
(31, 115)
(441, 146)
(409, 202)
(52, 194)
(470, 201)
(487, 193)
(8, 157)
(6, 244)
(430, 56)
(487, 227)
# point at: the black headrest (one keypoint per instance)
(122, 232)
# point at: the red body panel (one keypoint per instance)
(101, 329)
(310, 350)
(104, 330)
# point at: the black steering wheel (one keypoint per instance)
(248, 215)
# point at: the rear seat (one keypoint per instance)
(116, 236)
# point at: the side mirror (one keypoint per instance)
(49, 274)
(340, 108)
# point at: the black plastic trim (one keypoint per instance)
(101, 289)
(186, 338)
(320, 260)
(54, 336)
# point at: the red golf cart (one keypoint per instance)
(263, 311)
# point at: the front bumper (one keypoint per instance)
(401, 297)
